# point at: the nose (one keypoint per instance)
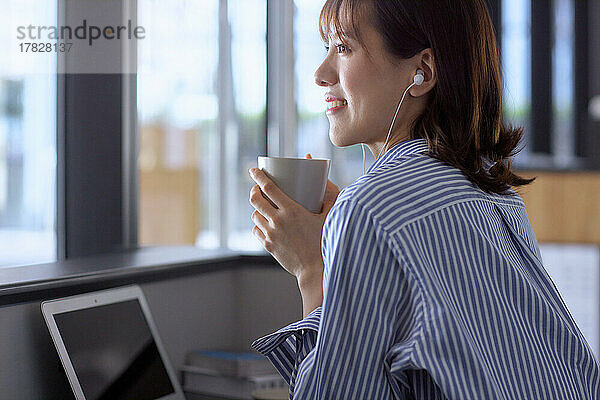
(326, 75)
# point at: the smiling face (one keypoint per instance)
(363, 88)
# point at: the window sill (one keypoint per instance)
(33, 282)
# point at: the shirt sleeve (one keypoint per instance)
(287, 347)
(367, 307)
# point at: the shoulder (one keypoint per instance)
(408, 188)
(350, 221)
(407, 183)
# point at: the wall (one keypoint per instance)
(564, 207)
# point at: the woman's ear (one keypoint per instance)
(425, 63)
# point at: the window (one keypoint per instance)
(27, 139)
(178, 120)
(246, 126)
(563, 126)
(547, 50)
(202, 106)
(516, 64)
(202, 112)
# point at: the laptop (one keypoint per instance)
(109, 346)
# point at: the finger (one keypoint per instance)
(331, 192)
(327, 206)
(263, 205)
(330, 198)
(259, 234)
(261, 222)
(270, 188)
(268, 246)
(332, 186)
(268, 200)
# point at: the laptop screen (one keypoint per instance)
(113, 352)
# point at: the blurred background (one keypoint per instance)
(220, 82)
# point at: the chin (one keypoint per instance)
(341, 140)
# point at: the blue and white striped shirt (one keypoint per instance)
(432, 289)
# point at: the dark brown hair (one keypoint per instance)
(462, 121)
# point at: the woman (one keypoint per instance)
(427, 281)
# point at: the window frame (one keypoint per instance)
(281, 100)
(96, 149)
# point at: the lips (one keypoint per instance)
(335, 103)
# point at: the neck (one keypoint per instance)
(413, 109)
(378, 149)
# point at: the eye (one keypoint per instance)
(342, 48)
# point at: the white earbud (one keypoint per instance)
(419, 78)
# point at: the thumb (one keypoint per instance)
(308, 156)
(327, 205)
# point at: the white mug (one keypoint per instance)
(304, 180)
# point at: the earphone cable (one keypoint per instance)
(363, 149)
(394, 120)
(415, 82)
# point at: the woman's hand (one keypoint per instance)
(287, 230)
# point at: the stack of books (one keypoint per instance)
(229, 375)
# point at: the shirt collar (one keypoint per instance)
(402, 149)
